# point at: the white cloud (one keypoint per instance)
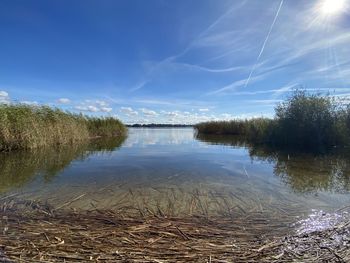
(101, 103)
(278, 92)
(149, 113)
(139, 85)
(4, 97)
(266, 102)
(32, 103)
(89, 108)
(171, 113)
(81, 108)
(128, 111)
(93, 108)
(237, 85)
(106, 109)
(204, 110)
(3, 93)
(226, 116)
(206, 69)
(63, 101)
(185, 117)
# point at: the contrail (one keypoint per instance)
(263, 46)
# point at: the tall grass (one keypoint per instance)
(105, 127)
(303, 121)
(257, 129)
(29, 127)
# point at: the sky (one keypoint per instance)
(165, 61)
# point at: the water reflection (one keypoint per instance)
(168, 171)
(304, 173)
(143, 137)
(19, 168)
(320, 221)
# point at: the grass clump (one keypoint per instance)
(105, 127)
(257, 129)
(303, 121)
(30, 127)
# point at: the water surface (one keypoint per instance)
(173, 172)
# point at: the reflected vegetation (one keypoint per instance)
(167, 171)
(304, 173)
(159, 136)
(21, 167)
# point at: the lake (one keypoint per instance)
(171, 171)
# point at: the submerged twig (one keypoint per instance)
(108, 236)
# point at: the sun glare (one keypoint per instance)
(330, 7)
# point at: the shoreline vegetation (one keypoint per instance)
(304, 122)
(32, 231)
(159, 125)
(32, 127)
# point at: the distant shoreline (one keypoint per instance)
(159, 126)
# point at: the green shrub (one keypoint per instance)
(303, 121)
(306, 121)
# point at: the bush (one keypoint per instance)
(303, 121)
(306, 121)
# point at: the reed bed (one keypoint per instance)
(33, 232)
(30, 127)
(105, 127)
(304, 121)
(255, 130)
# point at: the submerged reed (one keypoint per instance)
(30, 127)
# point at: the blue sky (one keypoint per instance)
(171, 61)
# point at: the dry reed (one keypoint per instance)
(30, 127)
(32, 232)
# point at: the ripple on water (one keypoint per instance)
(320, 221)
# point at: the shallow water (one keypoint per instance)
(171, 172)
